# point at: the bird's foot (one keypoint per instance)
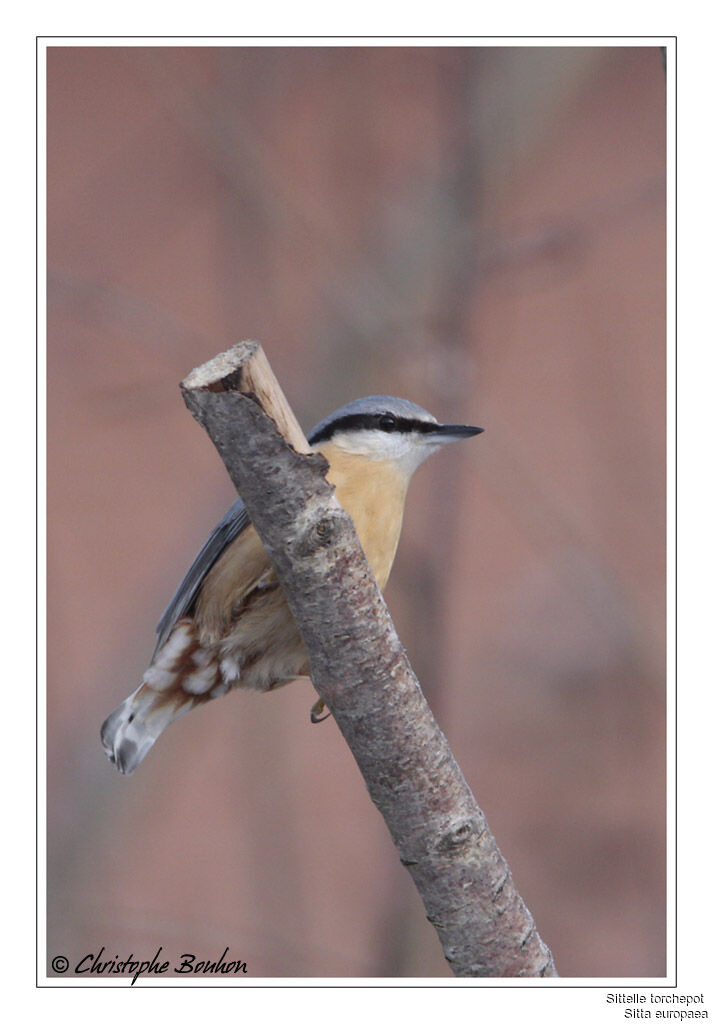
(316, 710)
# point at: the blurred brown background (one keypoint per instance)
(480, 230)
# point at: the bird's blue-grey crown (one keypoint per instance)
(377, 412)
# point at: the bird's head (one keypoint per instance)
(389, 429)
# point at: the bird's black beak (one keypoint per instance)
(454, 432)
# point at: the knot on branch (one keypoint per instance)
(458, 835)
(323, 533)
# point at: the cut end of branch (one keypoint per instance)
(244, 370)
(223, 372)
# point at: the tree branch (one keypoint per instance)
(361, 671)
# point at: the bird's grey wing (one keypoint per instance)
(233, 522)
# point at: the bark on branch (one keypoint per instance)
(361, 671)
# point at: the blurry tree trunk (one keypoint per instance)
(360, 670)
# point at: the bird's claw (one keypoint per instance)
(316, 710)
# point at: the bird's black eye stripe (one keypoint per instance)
(385, 421)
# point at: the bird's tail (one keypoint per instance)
(131, 730)
(180, 677)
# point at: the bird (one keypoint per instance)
(228, 626)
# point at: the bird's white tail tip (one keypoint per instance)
(126, 738)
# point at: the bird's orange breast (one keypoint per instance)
(373, 493)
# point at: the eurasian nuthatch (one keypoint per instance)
(228, 625)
